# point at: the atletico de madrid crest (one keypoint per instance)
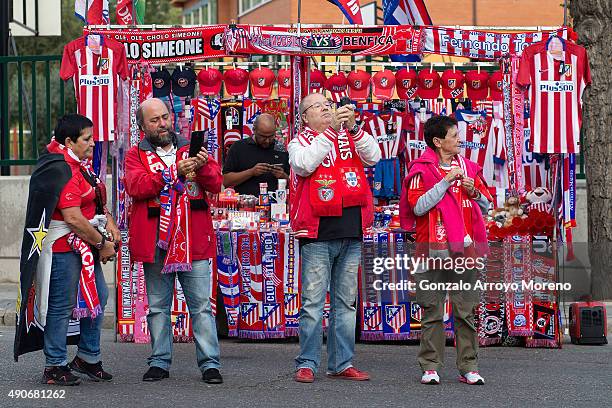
(451, 83)
(104, 64)
(428, 83)
(261, 81)
(476, 84)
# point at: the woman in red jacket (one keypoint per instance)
(171, 233)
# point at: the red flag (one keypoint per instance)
(92, 11)
(351, 9)
(125, 11)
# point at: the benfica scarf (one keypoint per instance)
(174, 219)
(88, 303)
(339, 181)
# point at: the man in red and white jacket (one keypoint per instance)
(331, 208)
(171, 232)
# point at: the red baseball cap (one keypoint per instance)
(383, 84)
(336, 85)
(358, 85)
(317, 80)
(477, 85)
(452, 84)
(284, 83)
(496, 86)
(406, 83)
(209, 80)
(262, 80)
(429, 84)
(236, 81)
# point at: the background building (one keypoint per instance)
(442, 12)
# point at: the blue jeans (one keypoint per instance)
(332, 264)
(160, 292)
(63, 288)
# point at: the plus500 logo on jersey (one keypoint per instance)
(94, 80)
(556, 86)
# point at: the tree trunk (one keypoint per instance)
(592, 20)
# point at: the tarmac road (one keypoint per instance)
(259, 374)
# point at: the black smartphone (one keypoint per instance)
(345, 100)
(199, 138)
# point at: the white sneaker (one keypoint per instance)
(472, 378)
(430, 377)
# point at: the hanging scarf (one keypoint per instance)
(339, 181)
(88, 303)
(175, 211)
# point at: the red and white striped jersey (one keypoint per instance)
(555, 92)
(438, 106)
(95, 77)
(476, 145)
(534, 168)
(416, 136)
(497, 138)
(365, 111)
(206, 116)
(388, 131)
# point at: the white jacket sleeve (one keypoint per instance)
(304, 160)
(367, 148)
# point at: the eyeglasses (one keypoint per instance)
(319, 105)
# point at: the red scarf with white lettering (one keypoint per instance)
(339, 181)
(175, 211)
(88, 303)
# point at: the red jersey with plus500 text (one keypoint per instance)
(555, 92)
(95, 76)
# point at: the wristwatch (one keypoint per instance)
(354, 129)
(100, 244)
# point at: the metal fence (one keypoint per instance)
(32, 98)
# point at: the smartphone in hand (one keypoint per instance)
(199, 139)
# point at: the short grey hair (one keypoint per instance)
(303, 104)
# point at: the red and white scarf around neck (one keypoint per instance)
(339, 181)
(175, 213)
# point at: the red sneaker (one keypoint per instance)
(304, 375)
(352, 374)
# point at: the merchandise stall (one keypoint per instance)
(527, 153)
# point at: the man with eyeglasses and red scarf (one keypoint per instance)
(331, 208)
